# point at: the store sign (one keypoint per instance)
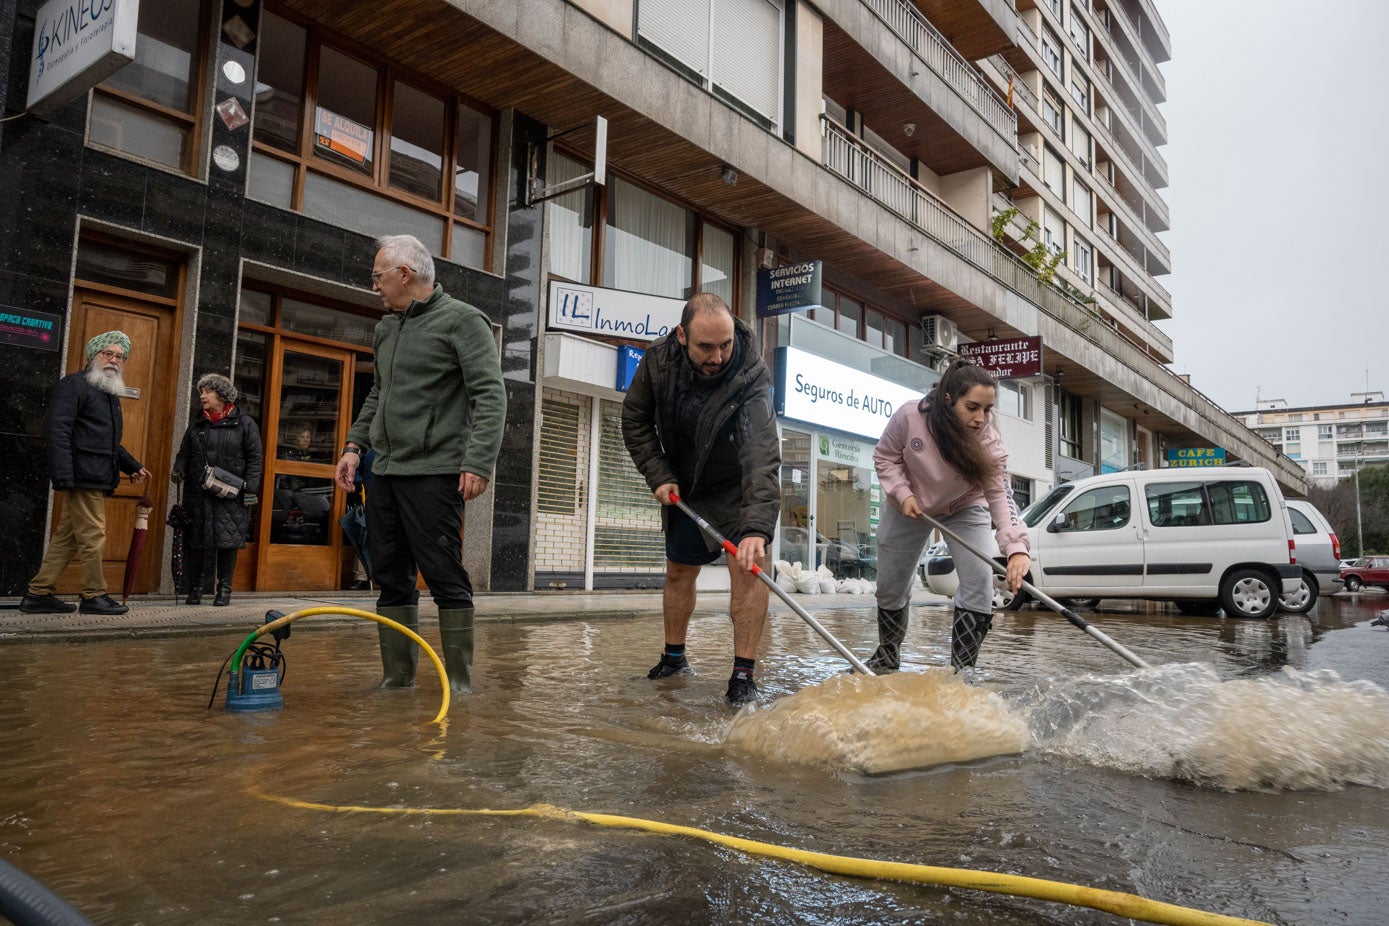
(1187, 457)
(788, 289)
(612, 313)
(27, 328)
(628, 358)
(342, 136)
(77, 45)
(831, 395)
(846, 451)
(1011, 359)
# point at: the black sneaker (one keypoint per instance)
(670, 665)
(45, 604)
(101, 604)
(741, 689)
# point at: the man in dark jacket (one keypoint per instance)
(434, 416)
(85, 462)
(698, 421)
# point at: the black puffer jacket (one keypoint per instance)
(734, 481)
(233, 444)
(83, 430)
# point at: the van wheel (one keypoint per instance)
(1300, 601)
(1248, 593)
(1353, 583)
(1005, 600)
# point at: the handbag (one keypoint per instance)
(221, 483)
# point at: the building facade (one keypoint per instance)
(1330, 442)
(218, 198)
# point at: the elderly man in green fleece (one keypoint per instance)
(434, 416)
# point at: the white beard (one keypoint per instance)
(111, 382)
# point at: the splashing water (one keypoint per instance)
(882, 724)
(1293, 731)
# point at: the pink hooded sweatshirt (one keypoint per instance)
(909, 463)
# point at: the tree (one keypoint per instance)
(1338, 504)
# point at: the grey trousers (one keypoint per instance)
(901, 541)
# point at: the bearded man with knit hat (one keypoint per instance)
(85, 462)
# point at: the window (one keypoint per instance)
(1053, 232)
(1292, 435)
(870, 325)
(570, 221)
(1080, 144)
(1319, 469)
(1102, 509)
(1188, 505)
(380, 151)
(730, 47)
(1033, 515)
(1055, 7)
(1080, 91)
(149, 108)
(650, 243)
(1068, 418)
(1051, 112)
(1238, 502)
(1080, 33)
(1051, 51)
(1022, 490)
(1083, 261)
(1301, 524)
(1325, 432)
(1054, 172)
(1014, 399)
(1082, 203)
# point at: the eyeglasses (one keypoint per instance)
(117, 356)
(376, 274)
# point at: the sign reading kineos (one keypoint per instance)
(77, 45)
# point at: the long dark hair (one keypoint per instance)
(959, 447)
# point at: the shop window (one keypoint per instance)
(149, 108)
(376, 148)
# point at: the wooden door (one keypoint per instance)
(147, 412)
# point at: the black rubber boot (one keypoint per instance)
(400, 655)
(670, 665)
(456, 632)
(193, 559)
(892, 630)
(226, 568)
(967, 634)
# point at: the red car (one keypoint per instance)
(1367, 570)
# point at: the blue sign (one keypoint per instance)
(1184, 457)
(627, 359)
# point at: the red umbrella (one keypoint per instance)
(137, 543)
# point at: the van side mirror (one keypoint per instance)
(1058, 523)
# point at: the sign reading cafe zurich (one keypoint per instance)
(77, 45)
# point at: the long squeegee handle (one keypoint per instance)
(1044, 598)
(761, 573)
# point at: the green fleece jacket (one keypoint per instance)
(437, 402)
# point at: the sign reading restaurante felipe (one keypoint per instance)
(1011, 359)
(781, 290)
(831, 395)
(1196, 456)
(77, 45)
(612, 313)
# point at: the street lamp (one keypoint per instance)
(1359, 532)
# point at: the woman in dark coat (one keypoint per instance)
(219, 436)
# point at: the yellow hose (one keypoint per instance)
(1118, 903)
(368, 615)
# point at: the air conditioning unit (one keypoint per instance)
(939, 332)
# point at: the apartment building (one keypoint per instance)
(1330, 442)
(579, 169)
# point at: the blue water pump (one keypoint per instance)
(255, 684)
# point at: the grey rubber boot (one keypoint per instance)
(456, 632)
(966, 636)
(400, 655)
(892, 630)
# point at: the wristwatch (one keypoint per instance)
(356, 450)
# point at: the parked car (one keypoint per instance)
(1318, 552)
(938, 572)
(1367, 570)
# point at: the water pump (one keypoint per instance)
(254, 685)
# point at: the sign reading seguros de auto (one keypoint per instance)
(77, 45)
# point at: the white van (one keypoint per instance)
(1201, 538)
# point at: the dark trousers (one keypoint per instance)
(414, 525)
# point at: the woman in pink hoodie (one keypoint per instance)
(943, 457)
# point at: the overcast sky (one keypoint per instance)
(1278, 140)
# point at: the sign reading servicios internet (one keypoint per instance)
(792, 288)
(831, 395)
(612, 313)
(77, 45)
(1184, 457)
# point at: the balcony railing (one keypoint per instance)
(941, 57)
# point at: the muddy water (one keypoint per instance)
(123, 794)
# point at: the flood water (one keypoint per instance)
(1224, 780)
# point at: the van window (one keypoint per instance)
(1034, 513)
(1301, 525)
(1238, 502)
(1101, 509)
(1176, 504)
